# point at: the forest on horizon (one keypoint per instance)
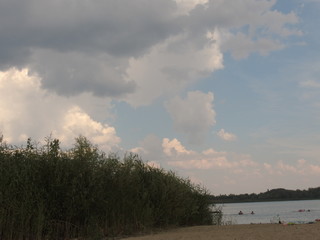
(278, 194)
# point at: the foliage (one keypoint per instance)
(48, 193)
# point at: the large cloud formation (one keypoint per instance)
(134, 50)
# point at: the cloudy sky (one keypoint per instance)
(224, 92)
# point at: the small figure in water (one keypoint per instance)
(240, 213)
(252, 212)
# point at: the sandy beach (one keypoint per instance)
(239, 232)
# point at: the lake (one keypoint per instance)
(266, 212)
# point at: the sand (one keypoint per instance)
(239, 232)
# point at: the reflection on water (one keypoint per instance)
(266, 212)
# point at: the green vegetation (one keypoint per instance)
(48, 193)
(278, 194)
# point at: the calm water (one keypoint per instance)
(266, 212)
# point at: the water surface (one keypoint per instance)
(266, 212)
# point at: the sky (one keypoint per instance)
(225, 93)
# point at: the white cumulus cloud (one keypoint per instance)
(76, 122)
(226, 136)
(174, 147)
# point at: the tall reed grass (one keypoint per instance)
(48, 193)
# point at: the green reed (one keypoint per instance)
(49, 193)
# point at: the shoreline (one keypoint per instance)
(265, 231)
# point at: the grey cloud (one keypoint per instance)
(72, 73)
(86, 46)
(12, 56)
(117, 27)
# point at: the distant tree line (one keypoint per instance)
(279, 194)
(49, 193)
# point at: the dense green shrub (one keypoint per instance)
(48, 193)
